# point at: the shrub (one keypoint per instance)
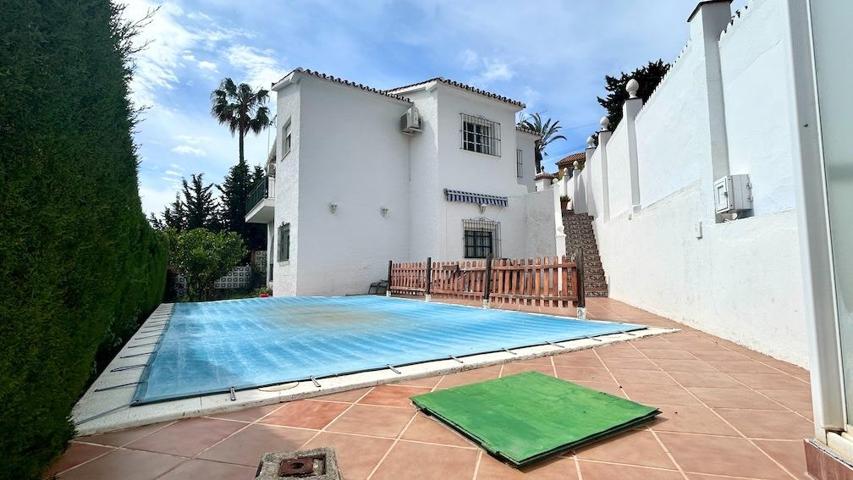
(79, 263)
(202, 256)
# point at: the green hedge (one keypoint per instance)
(79, 264)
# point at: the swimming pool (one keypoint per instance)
(211, 347)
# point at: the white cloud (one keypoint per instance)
(205, 65)
(260, 67)
(189, 150)
(495, 70)
(469, 59)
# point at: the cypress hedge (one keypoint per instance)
(79, 264)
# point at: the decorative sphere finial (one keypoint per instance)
(576, 165)
(605, 123)
(632, 87)
(590, 142)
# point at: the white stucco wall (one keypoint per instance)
(540, 225)
(670, 147)
(757, 91)
(352, 154)
(741, 280)
(618, 172)
(287, 190)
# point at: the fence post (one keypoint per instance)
(428, 286)
(390, 267)
(487, 281)
(581, 302)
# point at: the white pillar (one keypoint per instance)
(707, 22)
(630, 109)
(603, 138)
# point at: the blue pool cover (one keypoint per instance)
(210, 347)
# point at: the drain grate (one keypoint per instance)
(317, 464)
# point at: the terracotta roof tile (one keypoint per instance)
(463, 86)
(348, 83)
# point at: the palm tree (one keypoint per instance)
(240, 108)
(547, 131)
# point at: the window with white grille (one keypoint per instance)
(286, 140)
(481, 135)
(519, 164)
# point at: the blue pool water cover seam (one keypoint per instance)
(320, 313)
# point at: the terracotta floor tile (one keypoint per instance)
(656, 395)
(392, 395)
(372, 420)
(427, 462)
(123, 437)
(429, 429)
(559, 468)
(204, 469)
(346, 396)
(124, 464)
(740, 366)
(768, 424)
(684, 365)
(776, 381)
(653, 377)
(248, 446)
(187, 437)
(719, 354)
(667, 354)
(247, 415)
(720, 456)
(582, 359)
(798, 400)
(705, 379)
(585, 374)
(691, 419)
(609, 471)
(618, 351)
(608, 387)
(630, 363)
(469, 376)
(634, 448)
(427, 382)
(306, 414)
(734, 398)
(516, 367)
(356, 455)
(789, 453)
(74, 455)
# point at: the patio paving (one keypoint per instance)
(728, 412)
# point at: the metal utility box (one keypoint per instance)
(733, 193)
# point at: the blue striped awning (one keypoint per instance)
(478, 198)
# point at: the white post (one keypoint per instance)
(630, 109)
(707, 22)
(603, 137)
(559, 234)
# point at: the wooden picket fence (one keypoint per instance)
(538, 282)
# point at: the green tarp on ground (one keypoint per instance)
(529, 416)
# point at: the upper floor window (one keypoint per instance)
(286, 142)
(481, 135)
(519, 164)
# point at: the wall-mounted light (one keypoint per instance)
(482, 208)
(384, 211)
(333, 207)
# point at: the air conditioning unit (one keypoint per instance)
(733, 193)
(410, 122)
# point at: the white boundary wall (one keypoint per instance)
(741, 279)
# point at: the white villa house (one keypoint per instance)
(359, 176)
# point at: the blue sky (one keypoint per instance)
(551, 55)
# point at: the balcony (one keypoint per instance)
(260, 205)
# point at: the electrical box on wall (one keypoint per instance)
(733, 193)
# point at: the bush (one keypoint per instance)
(202, 256)
(79, 263)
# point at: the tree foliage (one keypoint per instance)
(241, 109)
(648, 76)
(202, 257)
(79, 263)
(201, 210)
(235, 190)
(548, 132)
